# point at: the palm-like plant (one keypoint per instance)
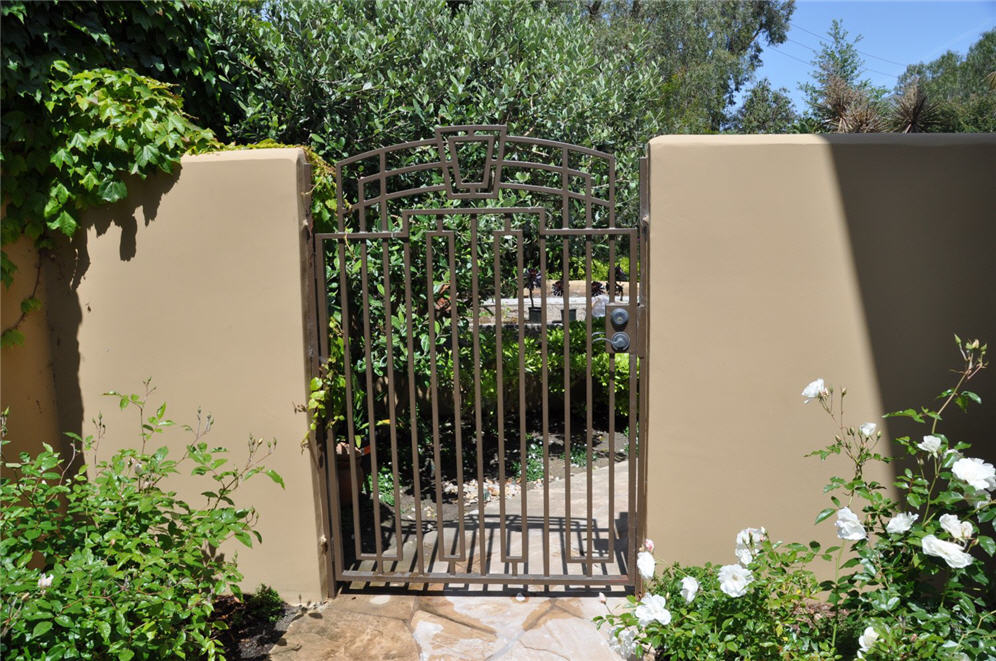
(847, 109)
(913, 111)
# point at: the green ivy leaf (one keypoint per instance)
(113, 190)
(65, 223)
(11, 337)
(30, 304)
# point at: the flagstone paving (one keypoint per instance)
(431, 628)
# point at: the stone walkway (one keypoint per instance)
(467, 622)
(371, 626)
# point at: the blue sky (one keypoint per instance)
(894, 34)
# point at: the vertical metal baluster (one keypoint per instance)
(546, 412)
(566, 316)
(499, 388)
(475, 331)
(612, 369)
(633, 530)
(589, 555)
(523, 441)
(416, 478)
(643, 290)
(612, 404)
(457, 400)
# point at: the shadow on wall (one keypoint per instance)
(922, 227)
(65, 269)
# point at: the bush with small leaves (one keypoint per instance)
(106, 562)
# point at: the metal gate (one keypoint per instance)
(485, 390)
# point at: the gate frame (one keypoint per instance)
(455, 187)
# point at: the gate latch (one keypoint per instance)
(624, 325)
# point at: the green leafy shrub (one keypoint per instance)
(908, 580)
(115, 565)
(263, 604)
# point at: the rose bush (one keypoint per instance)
(114, 565)
(909, 578)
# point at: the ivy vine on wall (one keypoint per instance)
(102, 125)
(80, 112)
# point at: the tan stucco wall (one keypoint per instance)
(779, 259)
(201, 281)
(26, 386)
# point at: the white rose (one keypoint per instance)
(813, 390)
(646, 564)
(623, 642)
(868, 429)
(867, 639)
(748, 541)
(960, 530)
(651, 609)
(734, 579)
(45, 581)
(931, 444)
(901, 522)
(689, 587)
(980, 474)
(848, 526)
(950, 552)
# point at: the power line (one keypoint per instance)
(882, 73)
(822, 37)
(797, 59)
(795, 41)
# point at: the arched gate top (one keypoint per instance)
(475, 162)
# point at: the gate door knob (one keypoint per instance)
(620, 342)
(619, 318)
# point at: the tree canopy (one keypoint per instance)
(962, 89)
(765, 110)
